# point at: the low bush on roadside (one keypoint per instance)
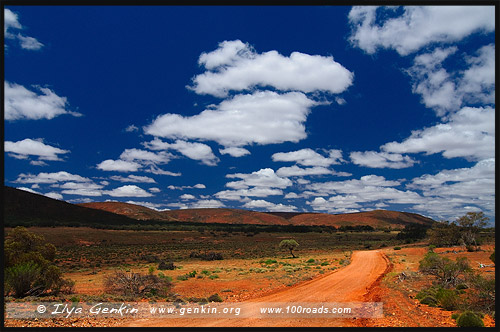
(469, 319)
(437, 296)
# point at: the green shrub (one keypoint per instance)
(22, 279)
(397, 248)
(462, 286)
(492, 257)
(429, 300)
(215, 298)
(325, 264)
(447, 299)
(311, 260)
(469, 319)
(446, 270)
(455, 315)
(268, 261)
(29, 266)
(163, 276)
(214, 276)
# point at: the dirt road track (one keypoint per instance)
(349, 284)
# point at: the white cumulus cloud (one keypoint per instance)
(469, 133)
(11, 22)
(234, 151)
(128, 191)
(414, 27)
(236, 66)
(263, 117)
(61, 176)
(24, 104)
(29, 147)
(375, 159)
(118, 166)
(309, 157)
(269, 206)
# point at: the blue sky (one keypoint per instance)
(320, 109)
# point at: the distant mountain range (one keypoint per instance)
(22, 207)
(377, 218)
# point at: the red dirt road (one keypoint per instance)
(349, 284)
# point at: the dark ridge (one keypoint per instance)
(22, 208)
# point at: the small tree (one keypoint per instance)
(471, 224)
(444, 233)
(290, 244)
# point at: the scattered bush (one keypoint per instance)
(207, 256)
(268, 261)
(215, 298)
(429, 300)
(444, 269)
(344, 262)
(482, 292)
(469, 319)
(397, 248)
(455, 315)
(166, 265)
(492, 257)
(150, 258)
(136, 284)
(447, 299)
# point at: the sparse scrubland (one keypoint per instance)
(210, 263)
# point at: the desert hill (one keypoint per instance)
(137, 212)
(25, 208)
(376, 219)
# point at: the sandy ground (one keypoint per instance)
(350, 284)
